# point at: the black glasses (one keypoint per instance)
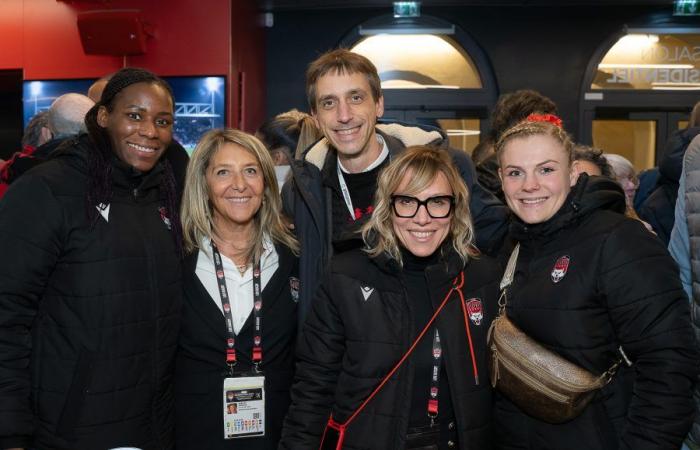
(438, 207)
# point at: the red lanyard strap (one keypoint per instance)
(226, 306)
(456, 286)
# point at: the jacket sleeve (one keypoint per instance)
(29, 219)
(651, 318)
(320, 353)
(679, 245)
(489, 215)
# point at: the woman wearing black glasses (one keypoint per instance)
(356, 365)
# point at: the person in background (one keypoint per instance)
(418, 255)
(595, 287)
(35, 134)
(591, 161)
(510, 109)
(286, 136)
(64, 118)
(683, 246)
(658, 208)
(331, 192)
(231, 213)
(90, 276)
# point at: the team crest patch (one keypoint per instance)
(560, 268)
(294, 285)
(164, 217)
(475, 310)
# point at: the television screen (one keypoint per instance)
(199, 102)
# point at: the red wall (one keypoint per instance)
(200, 37)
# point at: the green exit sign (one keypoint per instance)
(686, 8)
(406, 9)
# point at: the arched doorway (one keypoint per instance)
(639, 88)
(431, 72)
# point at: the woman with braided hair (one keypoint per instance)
(90, 290)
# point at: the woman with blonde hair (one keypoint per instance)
(240, 291)
(394, 347)
(597, 289)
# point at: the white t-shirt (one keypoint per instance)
(239, 287)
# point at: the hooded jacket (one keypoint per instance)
(587, 282)
(89, 313)
(657, 209)
(351, 340)
(308, 201)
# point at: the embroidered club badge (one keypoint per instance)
(560, 268)
(475, 310)
(164, 217)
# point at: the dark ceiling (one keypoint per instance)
(278, 5)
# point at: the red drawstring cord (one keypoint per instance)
(455, 287)
(469, 336)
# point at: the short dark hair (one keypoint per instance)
(32, 133)
(341, 61)
(595, 156)
(513, 107)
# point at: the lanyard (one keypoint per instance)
(345, 191)
(226, 305)
(435, 378)
(341, 179)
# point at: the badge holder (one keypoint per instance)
(244, 406)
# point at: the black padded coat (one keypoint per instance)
(620, 288)
(349, 343)
(89, 314)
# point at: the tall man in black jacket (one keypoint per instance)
(331, 193)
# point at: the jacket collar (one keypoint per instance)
(587, 195)
(396, 135)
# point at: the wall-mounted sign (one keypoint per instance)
(686, 8)
(651, 61)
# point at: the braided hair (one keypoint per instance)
(99, 158)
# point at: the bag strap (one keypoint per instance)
(456, 286)
(607, 376)
(507, 279)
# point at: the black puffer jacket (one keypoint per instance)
(657, 209)
(88, 315)
(621, 288)
(348, 344)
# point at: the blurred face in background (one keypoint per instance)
(536, 176)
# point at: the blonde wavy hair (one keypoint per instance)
(197, 211)
(422, 164)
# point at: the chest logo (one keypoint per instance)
(294, 285)
(164, 217)
(475, 310)
(103, 209)
(560, 268)
(366, 291)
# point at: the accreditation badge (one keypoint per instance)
(244, 407)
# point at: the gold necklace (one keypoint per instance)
(242, 268)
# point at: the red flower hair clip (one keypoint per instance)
(551, 118)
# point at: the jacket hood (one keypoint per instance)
(407, 134)
(671, 163)
(590, 193)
